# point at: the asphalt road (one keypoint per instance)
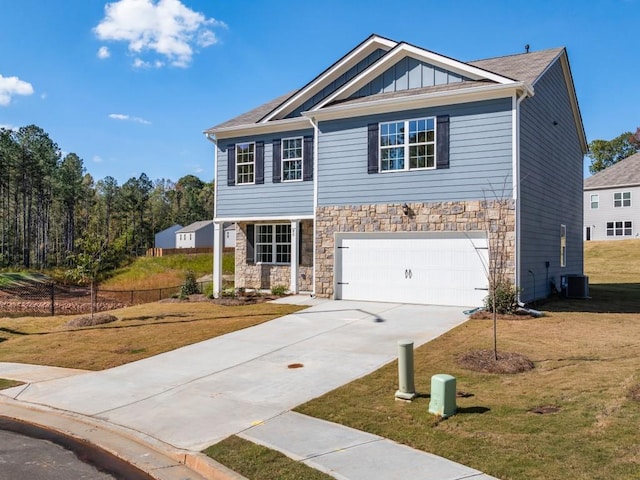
(23, 457)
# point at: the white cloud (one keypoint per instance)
(103, 52)
(121, 116)
(97, 159)
(165, 27)
(6, 126)
(10, 86)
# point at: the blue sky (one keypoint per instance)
(130, 85)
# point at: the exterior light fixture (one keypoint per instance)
(405, 208)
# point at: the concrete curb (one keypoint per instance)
(157, 459)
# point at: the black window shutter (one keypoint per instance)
(372, 146)
(231, 165)
(259, 160)
(442, 142)
(300, 243)
(277, 161)
(250, 242)
(307, 159)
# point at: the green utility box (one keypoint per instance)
(443, 395)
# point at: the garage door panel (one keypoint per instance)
(412, 268)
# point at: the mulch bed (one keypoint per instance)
(249, 299)
(486, 315)
(89, 321)
(484, 361)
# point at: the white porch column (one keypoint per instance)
(295, 254)
(218, 246)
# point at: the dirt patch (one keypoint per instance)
(484, 361)
(634, 393)
(545, 410)
(88, 321)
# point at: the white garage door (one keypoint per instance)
(428, 268)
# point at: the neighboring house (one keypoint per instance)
(196, 235)
(167, 237)
(230, 235)
(374, 180)
(612, 201)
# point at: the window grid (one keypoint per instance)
(595, 200)
(291, 159)
(620, 229)
(418, 146)
(245, 163)
(273, 243)
(622, 199)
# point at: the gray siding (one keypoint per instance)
(596, 218)
(550, 186)
(406, 74)
(338, 82)
(267, 200)
(480, 159)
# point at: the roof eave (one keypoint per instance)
(297, 123)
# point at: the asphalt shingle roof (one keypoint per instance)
(526, 67)
(624, 173)
(195, 226)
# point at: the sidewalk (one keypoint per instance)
(195, 396)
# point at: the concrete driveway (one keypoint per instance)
(197, 395)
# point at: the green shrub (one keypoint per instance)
(190, 285)
(506, 299)
(279, 290)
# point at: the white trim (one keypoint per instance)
(316, 143)
(295, 255)
(395, 55)
(343, 65)
(279, 218)
(411, 102)
(285, 125)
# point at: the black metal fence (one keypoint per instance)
(56, 299)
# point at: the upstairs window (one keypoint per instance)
(595, 201)
(292, 159)
(622, 199)
(245, 163)
(619, 229)
(408, 145)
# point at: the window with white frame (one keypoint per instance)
(620, 229)
(622, 199)
(595, 200)
(245, 162)
(291, 159)
(408, 145)
(273, 243)
(563, 245)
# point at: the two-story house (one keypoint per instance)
(397, 172)
(612, 202)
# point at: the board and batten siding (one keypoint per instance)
(551, 183)
(480, 158)
(265, 200)
(406, 74)
(596, 218)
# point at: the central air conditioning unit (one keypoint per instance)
(575, 286)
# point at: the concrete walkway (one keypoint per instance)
(240, 383)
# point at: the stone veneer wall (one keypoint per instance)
(496, 217)
(265, 276)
